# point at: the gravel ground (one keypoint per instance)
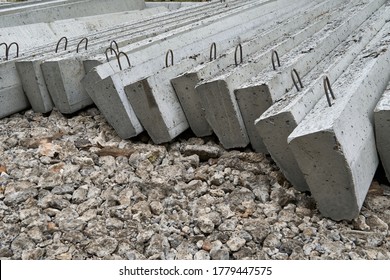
(71, 189)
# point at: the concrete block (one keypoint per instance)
(335, 146)
(112, 102)
(137, 34)
(156, 104)
(100, 41)
(73, 100)
(226, 120)
(382, 129)
(69, 10)
(258, 94)
(187, 42)
(278, 122)
(273, 28)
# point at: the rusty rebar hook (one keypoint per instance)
(239, 46)
(328, 89)
(213, 51)
(59, 41)
(119, 61)
(112, 50)
(294, 71)
(86, 44)
(169, 52)
(116, 45)
(275, 54)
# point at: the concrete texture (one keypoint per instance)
(137, 34)
(259, 93)
(226, 120)
(186, 41)
(156, 104)
(335, 146)
(69, 10)
(276, 124)
(271, 30)
(382, 130)
(126, 34)
(34, 36)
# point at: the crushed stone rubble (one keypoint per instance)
(70, 188)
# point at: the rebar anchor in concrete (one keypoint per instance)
(213, 52)
(8, 47)
(239, 47)
(328, 89)
(169, 53)
(59, 41)
(275, 54)
(117, 55)
(86, 44)
(294, 73)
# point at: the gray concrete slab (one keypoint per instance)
(154, 99)
(33, 36)
(38, 91)
(173, 21)
(382, 130)
(227, 120)
(156, 105)
(70, 10)
(187, 45)
(335, 146)
(278, 122)
(256, 95)
(274, 28)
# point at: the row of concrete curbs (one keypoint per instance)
(301, 82)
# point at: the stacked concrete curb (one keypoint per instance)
(300, 81)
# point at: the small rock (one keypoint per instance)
(206, 225)
(64, 189)
(202, 255)
(53, 201)
(15, 198)
(375, 223)
(72, 224)
(235, 243)
(205, 152)
(80, 194)
(144, 236)
(22, 243)
(217, 179)
(220, 254)
(102, 247)
(114, 224)
(360, 223)
(33, 254)
(158, 245)
(228, 225)
(273, 240)
(156, 207)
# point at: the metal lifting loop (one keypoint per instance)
(86, 44)
(328, 89)
(112, 50)
(275, 54)
(116, 45)
(239, 46)
(213, 51)
(119, 61)
(59, 41)
(166, 58)
(6, 49)
(294, 71)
